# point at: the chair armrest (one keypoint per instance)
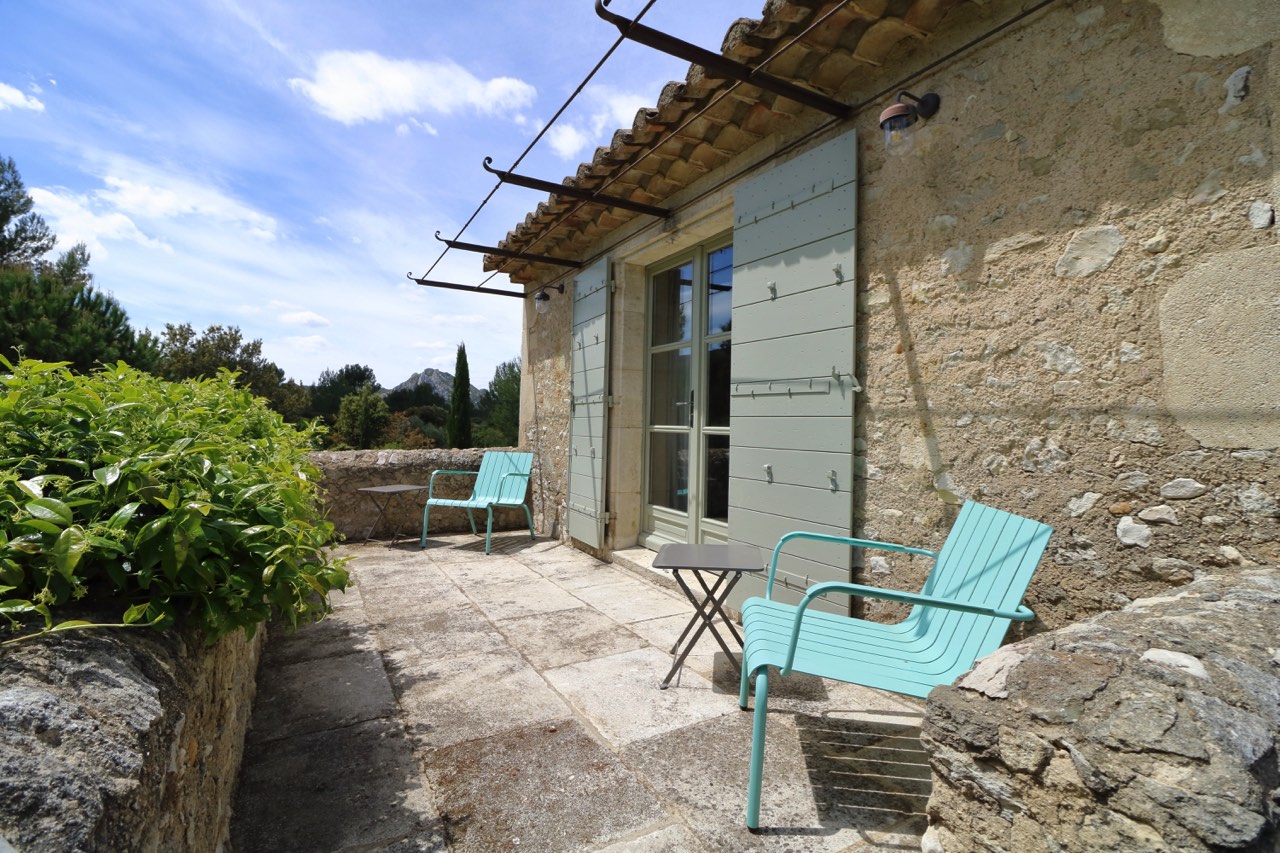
(840, 540)
(431, 485)
(1019, 614)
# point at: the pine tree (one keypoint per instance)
(51, 311)
(459, 426)
(24, 236)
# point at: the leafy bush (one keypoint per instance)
(159, 498)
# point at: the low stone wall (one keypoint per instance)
(122, 740)
(1150, 728)
(353, 512)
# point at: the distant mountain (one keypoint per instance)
(440, 382)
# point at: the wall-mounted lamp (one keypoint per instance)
(895, 120)
(542, 302)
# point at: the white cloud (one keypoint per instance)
(309, 343)
(11, 98)
(304, 318)
(156, 195)
(567, 140)
(75, 220)
(406, 128)
(359, 86)
(608, 108)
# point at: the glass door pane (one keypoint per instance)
(690, 327)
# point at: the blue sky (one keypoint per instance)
(280, 166)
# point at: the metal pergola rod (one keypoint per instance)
(507, 253)
(721, 65)
(574, 192)
(448, 285)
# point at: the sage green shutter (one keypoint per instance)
(792, 385)
(588, 425)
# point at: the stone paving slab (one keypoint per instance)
(640, 710)
(550, 640)
(457, 701)
(524, 597)
(572, 575)
(628, 600)
(342, 632)
(317, 695)
(451, 632)
(349, 787)
(668, 839)
(448, 701)
(477, 574)
(549, 787)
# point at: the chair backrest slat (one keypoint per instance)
(491, 482)
(988, 558)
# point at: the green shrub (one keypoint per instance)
(163, 499)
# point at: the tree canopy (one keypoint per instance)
(52, 312)
(24, 236)
(333, 385)
(498, 413)
(459, 426)
(187, 355)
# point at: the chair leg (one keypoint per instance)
(757, 750)
(426, 513)
(745, 684)
(488, 531)
(471, 518)
(529, 516)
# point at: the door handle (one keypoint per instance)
(690, 408)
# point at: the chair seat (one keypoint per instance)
(471, 503)
(898, 657)
(502, 481)
(971, 594)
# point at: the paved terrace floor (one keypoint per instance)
(463, 702)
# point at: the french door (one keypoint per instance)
(687, 424)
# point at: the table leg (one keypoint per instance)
(382, 511)
(717, 602)
(699, 606)
(704, 612)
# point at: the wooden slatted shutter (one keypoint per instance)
(792, 387)
(589, 417)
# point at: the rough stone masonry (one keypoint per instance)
(1150, 728)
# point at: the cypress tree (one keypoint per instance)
(459, 425)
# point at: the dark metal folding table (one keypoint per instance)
(384, 497)
(728, 562)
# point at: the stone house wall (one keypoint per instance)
(123, 739)
(1070, 300)
(1067, 300)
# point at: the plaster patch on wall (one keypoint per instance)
(1218, 29)
(1220, 380)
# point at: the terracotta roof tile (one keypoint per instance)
(670, 145)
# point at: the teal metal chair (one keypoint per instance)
(503, 480)
(972, 593)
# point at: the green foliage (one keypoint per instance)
(406, 399)
(499, 411)
(24, 236)
(52, 311)
(459, 425)
(166, 499)
(186, 355)
(405, 432)
(362, 418)
(332, 386)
